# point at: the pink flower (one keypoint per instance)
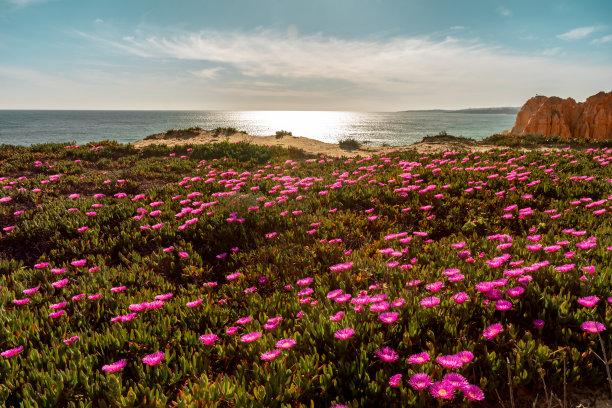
(165, 296)
(420, 358)
(503, 305)
(79, 262)
(60, 283)
(472, 392)
(285, 343)
(593, 327)
(387, 354)
(116, 366)
(153, 359)
(156, 304)
(269, 355)
(194, 303)
(233, 276)
(209, 339)
(451, 361)
(394, 381)
(434, 287)
(460, 297)
(456, 380)
(420, 381)
(538, 323)
(118, 289)
(70, 340)
(466, 356)
(21, 301)
(247, 338)
(58, 305)
(334, 293)
(588, 301)
(304, 282)
(231, 330)
(12, 352)
(31, 290)
(492, 331)
(430, 301)
(57, 314)
(337, 316)
(344, 334)
(244, 320)
(442, 390)
(389, 317)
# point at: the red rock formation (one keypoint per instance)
(591, 119)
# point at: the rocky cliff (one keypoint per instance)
(541, 115)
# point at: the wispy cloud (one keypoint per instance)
(602, 40)
(209, 73)
(550, 52)
(402, 68)
(577, 33)
(23, 3)
(504, 11)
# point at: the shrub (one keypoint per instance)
(282, 133)
(349, 144)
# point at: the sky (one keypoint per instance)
(357, 55)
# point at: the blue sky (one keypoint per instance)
(376, 55)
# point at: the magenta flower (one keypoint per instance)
(249, 337)
(285, 343)
(337, 316)
(394, 381)
(593, 327)
(231, 330)
(31, 291)
(118, 289)
(442, 389)
(538, 323)
(244, 320)
(269, 355)
(398, 302)
(387, 354)
(156, 304)
(57, 314)
(60, 283)
(420, 381)
(116, 366)
(466, 356)
(153, 359)
(388, 317)
(344, 334)
(451, 361)
(434, 287)
(379, 307)
(12, 352)
(70, 340)
(492, 331)
(209, 339)
(430, 301)
(58, 305)
(79, 262)
(194, 303)
(233, 276)
(334, 293)
(460, 297)
(472, 392)
(503, 305)
(304, 282)
(21, 301)
(588, 301)
(455, 379)
(165, 296)
(420, 358)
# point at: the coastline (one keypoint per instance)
(429, 145)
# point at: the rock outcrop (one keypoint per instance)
(589, 120)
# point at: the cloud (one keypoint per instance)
(550, 52)
(576, 33)
(504, 11)
(209, 73)
(602, 40)
(23, 3)
(458, 28)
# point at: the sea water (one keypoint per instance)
(27, 127)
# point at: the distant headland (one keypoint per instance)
(507, 110)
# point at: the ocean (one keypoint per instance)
(27, 127)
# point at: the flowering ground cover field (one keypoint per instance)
(242, 275)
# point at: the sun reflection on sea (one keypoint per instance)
(326, 126)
